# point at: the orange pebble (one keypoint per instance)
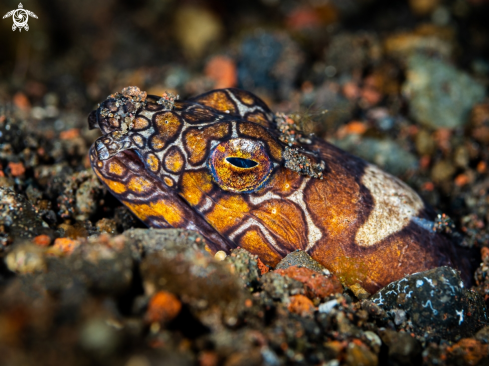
(69, 134)
(413, 130)
(356, 127)
(208, 358)
(262, 267)
(481, 167)
(317, 285)
(16, 168)
(21, 101)
(484, 253)
(223, 71)
(371, 91)
(66, 245)
(303, 18)
(428, 186)
(351, 90)
(461, 180)
(353, 127)
(371, 96)
(299, 304)
(424, 161)
(208, 249)
(307, 87)
(358, 343)
(163, 307)
(442, 137)
(42, 240)
(471, 350)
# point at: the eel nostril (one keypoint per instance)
(242, 163)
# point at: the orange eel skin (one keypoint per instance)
(217, 164)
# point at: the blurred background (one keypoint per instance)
(286, 51)
(402, 84)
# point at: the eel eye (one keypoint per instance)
(240, 165)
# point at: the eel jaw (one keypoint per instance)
(152, 201)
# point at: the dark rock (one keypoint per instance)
(468, 351)
(100, 265)
(280, 287)
(348, 52)
(360, 355)
(125, 219)
(19, 218)
(245, 265)
(483, 335)
(11, 135)
(300, 258)
(345, 325)
(434, 354)
(171, 241)
(240, 347)
(106, 225)
(176, 262)
(269, 61)
(403, 348)
(373, 309)
(436, 303)
(79, 195)
(33, 194)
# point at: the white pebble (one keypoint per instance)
(328, 306)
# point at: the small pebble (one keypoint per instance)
(328, 306)
(163, 307)
(301, 305)
(220, 255)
